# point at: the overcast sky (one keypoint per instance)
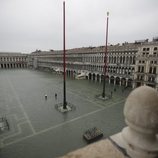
(27, 25)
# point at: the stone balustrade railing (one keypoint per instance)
(139, 139)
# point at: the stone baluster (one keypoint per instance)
(140, 138)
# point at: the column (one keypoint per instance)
(109, 80)
(114, 81)
(120, 81)
(133, 85)
(100, 78)
(126, 82)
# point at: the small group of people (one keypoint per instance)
(47, 96)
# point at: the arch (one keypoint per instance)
(90, 76)
(129, 71)
(126, 70)
(121, 60)
(98, 77)
(133, 69)
(117, 70)
(107, 79)
(117, 81)
(150, 70)
(94, 77)
(71, 73)
(129, 83)
(138, 84)
(112, 79)
(102, 78)
(115, 59)
(114, 69)
(67, 72)
(109, 59)
(118, 59)
(123, 81)
(134, 60)
(127, 60)
(130, 60)
(154, 70)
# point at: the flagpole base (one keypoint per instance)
(69, 107)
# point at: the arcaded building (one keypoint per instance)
(146, 67)
(128, 64)
(12, 60)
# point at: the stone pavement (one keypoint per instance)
(37, 129)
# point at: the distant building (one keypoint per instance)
(146, 67)
(12, 60)
(128, 64)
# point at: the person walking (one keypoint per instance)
(55, 96)
(45, 96)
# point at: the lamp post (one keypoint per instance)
(105, 56)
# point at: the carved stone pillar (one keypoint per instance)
(139, 138)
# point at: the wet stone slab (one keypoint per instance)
(37, 128)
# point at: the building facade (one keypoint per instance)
(128, 64)
(13, 60)
(146, 68)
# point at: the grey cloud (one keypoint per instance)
(27, 25)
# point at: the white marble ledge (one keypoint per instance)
(101, 149)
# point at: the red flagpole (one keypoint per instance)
(64, 62)
(105, 57)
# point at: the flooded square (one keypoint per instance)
(37, 129)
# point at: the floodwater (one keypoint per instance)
(37, 129)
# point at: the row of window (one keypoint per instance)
(147, 53)
(150, 78)
(99, 68)
(147, 49)
(152, 70)
(12, 59)
(114, 60)
(4, 66)
(151, 62)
